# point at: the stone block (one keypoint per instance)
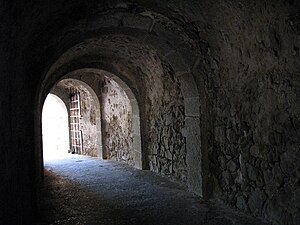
(161, 45)
(188, 85)
(268, 176)
(256, 201)
(178, 63)
(273, 211)
(227, 178)
(169, 155)
(138, 22)
(194, 157)
(138, 160)
(220, 134)
(222, 160)
(241, 203)
(296, 194)
(192, 106)
(136, 124)
(136, 143)
(163, 32)
(239, 178)
(289, 161)
(254, 151)
(251, 171)
(277, 173)
(107, 21)
(168, 119)
(231, 166)
(296, 218)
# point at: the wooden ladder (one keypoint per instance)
(76, 132)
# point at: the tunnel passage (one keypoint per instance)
(165, 109)
(166, 130)
(239, 60)
(160, 86)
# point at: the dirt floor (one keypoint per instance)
(80, 190)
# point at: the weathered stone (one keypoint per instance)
(155, 149)
(243, 165)
(252, 173)
(239, 177)
(296, 194)
(231, 166)
(256, 201)
(289, 161)
(241, 203)
(222, 161)
(254, 150)
(137, 22)
(117, 119)
(168, 119)
(169, 155)
(268, 176)
(274, 211)
(220, 134)
(227, 178)
(277, 173)
(296, 218)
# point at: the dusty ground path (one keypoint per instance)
(80, 190)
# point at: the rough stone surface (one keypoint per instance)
(88, 123)
(251, 74)
(116, 122)
(165, 113)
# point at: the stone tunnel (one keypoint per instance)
(204, 93)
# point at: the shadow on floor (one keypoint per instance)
(87, 191)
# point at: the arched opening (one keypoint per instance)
(84, 116)
(104, 118)
(117, 114)
(55, 128)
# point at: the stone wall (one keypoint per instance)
(116, 122)
(255, 155)
(165, 116)
(250, 70)
(88, 123)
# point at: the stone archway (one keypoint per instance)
(90, 117)
(90, 78)
(97, 53)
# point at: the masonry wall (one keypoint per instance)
(165, 118)
(88, 123)
(250, 68)
(116, 122)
